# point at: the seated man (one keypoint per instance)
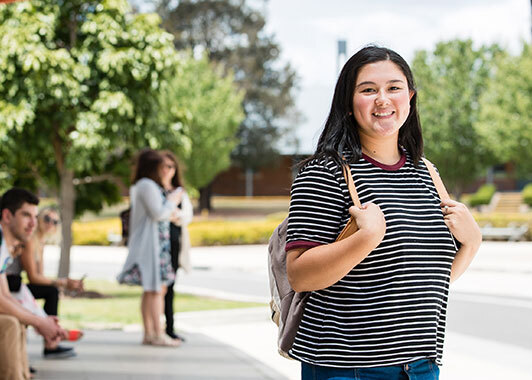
(31, 260)
(18, 210)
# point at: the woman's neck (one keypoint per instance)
(40, 235)
(385, 151)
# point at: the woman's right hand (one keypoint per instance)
(370, 219)
(175, 196)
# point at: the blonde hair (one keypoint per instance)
(54, 238)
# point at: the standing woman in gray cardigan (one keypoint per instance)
(148, 263)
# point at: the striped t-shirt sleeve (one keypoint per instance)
(317, 207)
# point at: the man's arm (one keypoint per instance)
(47, 327)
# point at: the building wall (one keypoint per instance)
(277, 180)
(271, 181)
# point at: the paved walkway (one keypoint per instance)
(118, 355)
(240, 344)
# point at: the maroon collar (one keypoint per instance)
(398, 165)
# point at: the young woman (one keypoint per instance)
(378, 298)
(179, 238)
(148, 262)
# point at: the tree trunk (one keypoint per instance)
(205, 198)
(66, 203)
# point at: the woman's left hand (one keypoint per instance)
(461, 223)
(76, 285)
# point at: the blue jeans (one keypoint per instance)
(423, 369)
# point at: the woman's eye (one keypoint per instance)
(368, 90)
(395, 88)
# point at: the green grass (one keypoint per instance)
(122, 306)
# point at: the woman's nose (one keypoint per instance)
(382, 98)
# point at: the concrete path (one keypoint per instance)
(241, 344)
(118, 355)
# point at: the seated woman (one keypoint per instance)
(41, 287)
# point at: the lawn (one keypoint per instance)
(121, 306)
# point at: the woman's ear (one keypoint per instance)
(412, 92)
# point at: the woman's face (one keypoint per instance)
(381, 100)
(50, 221)
(167, 171)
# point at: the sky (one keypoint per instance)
(308, 30)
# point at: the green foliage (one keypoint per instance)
(506, 111)
(527, 194)
(212, 109)
(95, 232)
(482, 196)
(94, 196)
(235, 38)
(224, 232)
(79, 93)
(78, 89)
(202, 233)
(451, 80)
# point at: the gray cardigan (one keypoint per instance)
(148, 207)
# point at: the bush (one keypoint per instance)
(527, 194)
(224, 232)
(217, 232)
(505, 220)
(482, 196)
(95, 232)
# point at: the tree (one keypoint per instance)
(79, 92)
(450, 82)
(233, 35)
(213, 112)
(505, 120)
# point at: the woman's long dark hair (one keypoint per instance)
(176, 179)
(340, 133)
(147, 166)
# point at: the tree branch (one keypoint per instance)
(94, 179)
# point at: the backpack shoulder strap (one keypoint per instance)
(351, 185)
(438, 183)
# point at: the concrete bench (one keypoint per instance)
(510, 233)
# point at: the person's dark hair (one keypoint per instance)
(14, 198)
(147, 166)
(340, 132)
(176, 179)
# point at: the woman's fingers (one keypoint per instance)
(449, 202)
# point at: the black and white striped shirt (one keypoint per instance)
(390, 308)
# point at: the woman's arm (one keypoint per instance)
(39, 265)
(465, 229)
(27, 259)
(322, 266)
(156, 206)
(184, 215)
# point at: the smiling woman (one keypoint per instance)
(377, 306)
(381, 102)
